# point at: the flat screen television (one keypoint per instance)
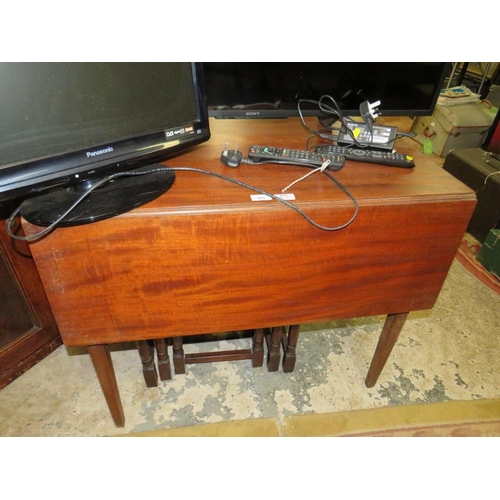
(66, 126)
(273, 89)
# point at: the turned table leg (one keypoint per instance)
(163, 359)
(290, 340)
(147, 355)
(258, 348)
(273, 348)
(103, 366)
(178, 355)
(390, 332)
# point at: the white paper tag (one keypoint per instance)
(263, 197)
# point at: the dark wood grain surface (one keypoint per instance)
(204, 258)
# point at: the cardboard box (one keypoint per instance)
(489, 255)
(455, 127)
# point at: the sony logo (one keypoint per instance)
(252, 113)
(100, 152)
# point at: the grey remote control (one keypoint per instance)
(269, 154)
(369, 156)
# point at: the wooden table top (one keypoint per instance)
(368, 183)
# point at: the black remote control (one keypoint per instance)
(369, 156)
(268, 154)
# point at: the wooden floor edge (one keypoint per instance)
(259, 427)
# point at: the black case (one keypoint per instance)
(480, 170)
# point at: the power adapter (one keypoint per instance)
(380, 137)
(368, 134)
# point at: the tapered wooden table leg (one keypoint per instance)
(178, 355)
(163, 359)
(274, 348)
(103, 366)
(290, 340)
(258, 348)
(147, 355)
(390, 332)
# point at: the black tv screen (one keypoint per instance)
(273, 89)
(63, 124)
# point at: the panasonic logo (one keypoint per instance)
(99, 152)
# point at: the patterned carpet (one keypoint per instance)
(450, 419)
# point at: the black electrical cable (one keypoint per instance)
(45, 231)
(9, 223)
(332, 110)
